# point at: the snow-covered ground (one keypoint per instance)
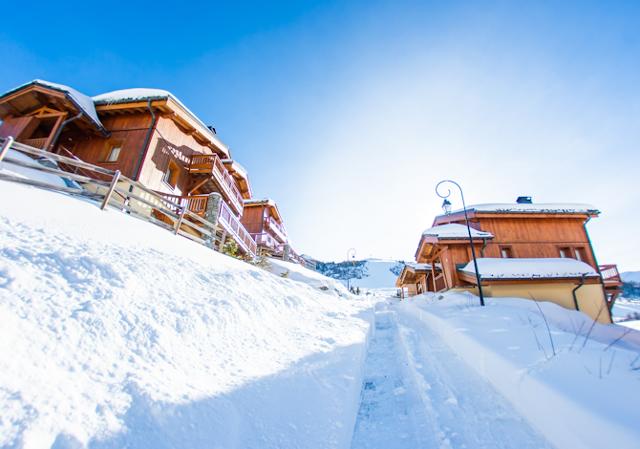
(584, 396)
(296, 272)
(116, 333)
(626, 312)
(377, 274)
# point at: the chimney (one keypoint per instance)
(524, 200)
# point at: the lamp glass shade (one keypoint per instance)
(446, 206)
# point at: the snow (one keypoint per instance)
(455, 231)
(418, 394)
(377, 274)
(29, 173)
(116, 333)
(534, 208)
(298, 273)
(419, 266)
(491, 268)
(583, 397)
(82, 101)
(265, 201)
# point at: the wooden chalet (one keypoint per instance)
(147, 134)
(412, 279)
(524, 249)
(264, 222)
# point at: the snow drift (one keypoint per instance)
(117, 333)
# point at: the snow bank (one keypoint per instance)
(298, 273)
(493, 268)
(584, 397)
(116, 333)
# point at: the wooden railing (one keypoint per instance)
(195, 203)
(227, 219)
(277, 228)
(111, 188)
(211, 164)
(232, 225)
(36, 143)
(610, 274)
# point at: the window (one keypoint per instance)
(171, 174)
(566, 253)
(114, 153)
(581, 254)
(506, 252)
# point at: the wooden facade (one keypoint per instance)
(535, 232)
(264, 222)
(151, 138)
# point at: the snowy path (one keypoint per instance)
(418, 394)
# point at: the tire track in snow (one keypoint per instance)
(418, 394)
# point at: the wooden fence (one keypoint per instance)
(111, 188)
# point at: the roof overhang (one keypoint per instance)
(470, 277)
(458, 216)
(173, 110)
(240, 176)
(34, 95)
(268, 203)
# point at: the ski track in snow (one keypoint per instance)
(417, 393)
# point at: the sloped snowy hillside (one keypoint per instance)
(368, 273)
(116, 333)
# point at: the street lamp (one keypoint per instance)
(351, 254)
(446, 206)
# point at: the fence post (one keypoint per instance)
(112, 187)
(181, 217)
(5, 147)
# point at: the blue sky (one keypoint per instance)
(349, 113)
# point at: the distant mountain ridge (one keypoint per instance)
(367, 273)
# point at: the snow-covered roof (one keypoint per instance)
(237, 167)
(533, 208)
(492, 268)
(83, 102)
(418, 266)
(455, 231)
(146, 94)
(260, 201)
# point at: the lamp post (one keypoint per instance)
(351, 254)
(446, 206)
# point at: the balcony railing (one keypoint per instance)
(233, 226)
(212, 165)
(227, 219)
(610, 275)
(36, 143)
(277, 228)
(195, 203)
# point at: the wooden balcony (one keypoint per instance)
(276, 229)
(226, 218)
(211, 166)
(610, 276)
